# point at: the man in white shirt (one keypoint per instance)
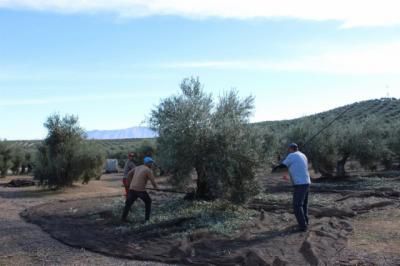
(297, 164)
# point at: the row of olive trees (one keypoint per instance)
(13, 158)
(369, 142)
(65, 156)
(5, 158)
(212, 138)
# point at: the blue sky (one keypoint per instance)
(110, 62)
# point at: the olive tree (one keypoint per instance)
(363, 141)
(371, 144)
(394, 142)
(321, 151)
(268, 146)
(28, 162)
(233, 154)
(65, 156)
(18, 157)
(213, 139)
(392, 155)
(5, 158)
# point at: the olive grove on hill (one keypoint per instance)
(368, 142)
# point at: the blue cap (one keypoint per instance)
(293, 145)
(148, 160)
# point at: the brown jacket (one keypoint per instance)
(139, 176)
(129, 165)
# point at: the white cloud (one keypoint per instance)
(369, 59)
(352, 13)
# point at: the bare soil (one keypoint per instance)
(353, 222)
(24, 243)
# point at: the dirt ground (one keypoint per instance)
(24, 243)
(353, 222)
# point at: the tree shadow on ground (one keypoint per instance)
(41, 193)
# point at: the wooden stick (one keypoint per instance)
(167, 190)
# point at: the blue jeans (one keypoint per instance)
(300, 204)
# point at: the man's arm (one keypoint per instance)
(284, 164)
(132, 165)
(152, 180)
(280, 166)
(131, 173)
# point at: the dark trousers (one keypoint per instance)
(300, 204)
(126, 186)
(132, 197)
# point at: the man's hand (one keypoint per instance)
(274, 168)
(280, 166)
(153, 182)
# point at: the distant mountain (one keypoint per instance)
(129, 133)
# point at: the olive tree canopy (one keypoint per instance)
(215, 139)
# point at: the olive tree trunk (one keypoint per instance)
(340, 166)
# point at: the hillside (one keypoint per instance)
(385, 109)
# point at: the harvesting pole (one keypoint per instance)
(327, 125)
(167, 190)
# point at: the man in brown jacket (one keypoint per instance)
(129, 165)
(137, 189)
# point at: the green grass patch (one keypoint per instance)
(219, 217)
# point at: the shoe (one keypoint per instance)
(124, 220)
(303, 229)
